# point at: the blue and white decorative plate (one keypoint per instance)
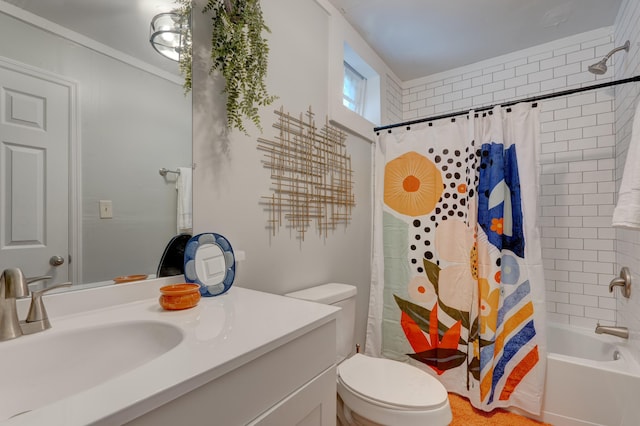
(209, 262)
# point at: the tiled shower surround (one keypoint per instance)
(577, 159)
(627, 241)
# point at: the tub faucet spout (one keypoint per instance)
(622, 332)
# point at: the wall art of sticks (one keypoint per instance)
(311, 175)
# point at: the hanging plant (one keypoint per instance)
(240, 53)
(186, 55)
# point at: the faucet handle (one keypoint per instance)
(39, 292)
(31, 280)
(37, 318)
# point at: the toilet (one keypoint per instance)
(377, 391)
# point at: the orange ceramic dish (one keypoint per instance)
(179, 296)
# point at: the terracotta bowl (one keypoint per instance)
(179, 296)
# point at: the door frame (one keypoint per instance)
(75, 171)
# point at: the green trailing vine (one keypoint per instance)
(240, 53)
(186, 55)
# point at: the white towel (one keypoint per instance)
(183, 185)
(627, 211)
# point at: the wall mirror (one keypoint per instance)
(84, 72)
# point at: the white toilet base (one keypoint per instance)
(346, 417)
(377, 415)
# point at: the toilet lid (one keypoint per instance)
(391, 382)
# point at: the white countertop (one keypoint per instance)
(220, 334)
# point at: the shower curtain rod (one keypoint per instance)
(510, 103)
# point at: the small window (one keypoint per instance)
(354, 89)
(360, 87)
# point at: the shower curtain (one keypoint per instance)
(457, 280)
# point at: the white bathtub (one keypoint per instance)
(591, 379)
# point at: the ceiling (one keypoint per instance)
(120, 24)
(417, 38)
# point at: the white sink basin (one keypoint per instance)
(45, 367)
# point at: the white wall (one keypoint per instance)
(577, 159)
(230, 179)
(132, 123)
(626, 102)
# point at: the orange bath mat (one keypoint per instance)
(464, 414)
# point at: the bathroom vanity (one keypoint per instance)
(114, 356)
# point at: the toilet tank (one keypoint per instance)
(342, 296)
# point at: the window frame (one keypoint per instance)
(360, 82)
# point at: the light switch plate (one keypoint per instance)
(106, 209)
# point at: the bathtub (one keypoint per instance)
(591, 379)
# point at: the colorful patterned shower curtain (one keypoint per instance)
(458, 286)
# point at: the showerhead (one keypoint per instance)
(600, 67)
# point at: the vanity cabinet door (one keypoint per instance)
(312, 405)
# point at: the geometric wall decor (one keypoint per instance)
(311, 175)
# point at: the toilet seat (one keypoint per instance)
(392, 383)
(390, 392)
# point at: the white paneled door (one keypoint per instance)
(34, 173)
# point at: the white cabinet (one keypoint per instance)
(312, 405)
(293, 384)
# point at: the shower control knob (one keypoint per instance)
(56, 260)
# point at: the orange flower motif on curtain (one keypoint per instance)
(488, 306)
(412, 184)
(422, 291)
(497, 225)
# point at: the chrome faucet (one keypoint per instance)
(622, 332)
(13, 285)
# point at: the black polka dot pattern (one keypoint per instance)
(459, 169)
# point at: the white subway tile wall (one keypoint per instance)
(393, 101)
(577, 156)
(627, 242)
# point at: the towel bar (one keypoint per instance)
(163, 171)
